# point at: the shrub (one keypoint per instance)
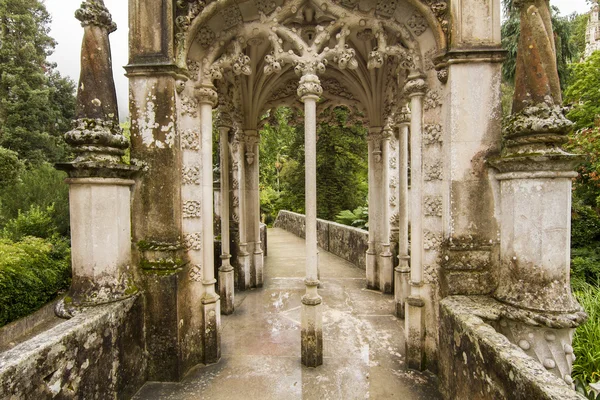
(10, 167)
(585, 226)
(585, 265)
(42, 186)
(359, 218)
(34, 222)
(32, 272)
(586, 340)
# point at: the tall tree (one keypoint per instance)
(341, 168)
(583, 92)
(36, 103)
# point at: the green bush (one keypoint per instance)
(586, 340)
(359, 218)
(10, 167)
(42, 186)
(585, 265)
(585, 226)
(34, 222)
(32, 272)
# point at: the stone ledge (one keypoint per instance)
(476, 362)
(99, 351)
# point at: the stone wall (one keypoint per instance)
(478, 363)
(344, 241)
(98, 353)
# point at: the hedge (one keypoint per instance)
(33, 271)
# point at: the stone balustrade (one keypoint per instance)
(344, 241)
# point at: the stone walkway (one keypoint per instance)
(363, 341)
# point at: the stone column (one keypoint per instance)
(540, 313)
(252, 207)
(239, 186)
(414, 329)
(374, 212)
(402, 271)
(211, 305)
(226, 275)
(309, 92)
(385, 263)
(99, 183)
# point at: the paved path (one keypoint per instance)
(363, 341)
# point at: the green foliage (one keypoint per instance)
(585, 265)
(42, 187)
(10, 167)
(359, 218)
(587, 185)
(32, 272)
(583, 92)
(36, 103)
(586, 340)
(566, 50)
(585, 225)
(581, 388)
(578, 27)
(34, 222)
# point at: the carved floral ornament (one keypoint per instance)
(305, 58)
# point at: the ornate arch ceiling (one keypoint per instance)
(362, 45)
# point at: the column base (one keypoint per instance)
(401, 289)
(413, 326)
(226, 288)
(371, 263)
(386, 270)
(312, 332)
(211, 311)
(259, 262)
(243, 268)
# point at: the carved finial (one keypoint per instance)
(97, 135)
(94, 12)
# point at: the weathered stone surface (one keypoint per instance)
(476, 362)
(347, 242)
(99, 353)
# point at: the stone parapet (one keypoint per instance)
(346, 242)
(496, 368)
(99, 352)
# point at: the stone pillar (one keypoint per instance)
(402, 271)
(99, 183)
(226, 275)
(379, 257)
(211, 306)
(535, 193)
(414, 313)
(238, 179)
(252, 207)
(309, 92)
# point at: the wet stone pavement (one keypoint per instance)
(363, 341)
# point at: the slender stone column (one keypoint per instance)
(402, 271)
(414, 330)
(239, 184)
(226, 275)
(210, 301)
(312, 320)
(252, 200)
(374, 148)
(99, 183)
(385, 263)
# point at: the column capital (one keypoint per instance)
(207, 94)
(404, 116)
(415, 87)
(310, 87)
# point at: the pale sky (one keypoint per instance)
(68, 33)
